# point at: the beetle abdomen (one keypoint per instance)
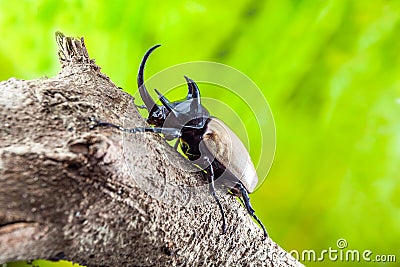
(226, 147)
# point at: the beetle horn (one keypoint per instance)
(144, 94)
(164, 101)
(193, 90)
(193, 93)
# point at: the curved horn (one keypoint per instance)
(144, 94)
(193, 92)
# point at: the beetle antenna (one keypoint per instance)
(144, 94)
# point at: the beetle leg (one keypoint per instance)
(241, 201)
(249, 208)
(172, 132)
(141, 106)
(210, 172)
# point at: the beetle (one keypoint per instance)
(205, 140)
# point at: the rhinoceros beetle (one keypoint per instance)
(205, 140)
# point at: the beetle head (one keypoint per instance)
(187, 113)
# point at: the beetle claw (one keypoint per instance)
(223, 229)
(93, 123)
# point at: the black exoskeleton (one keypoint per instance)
(205, 140)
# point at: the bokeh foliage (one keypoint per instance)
(329, 69)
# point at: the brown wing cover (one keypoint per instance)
(229, 150)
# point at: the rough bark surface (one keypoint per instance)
(68, 192)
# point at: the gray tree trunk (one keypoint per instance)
(100, 197)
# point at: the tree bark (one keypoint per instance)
(95, 197)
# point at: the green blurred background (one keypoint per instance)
(329, 69)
